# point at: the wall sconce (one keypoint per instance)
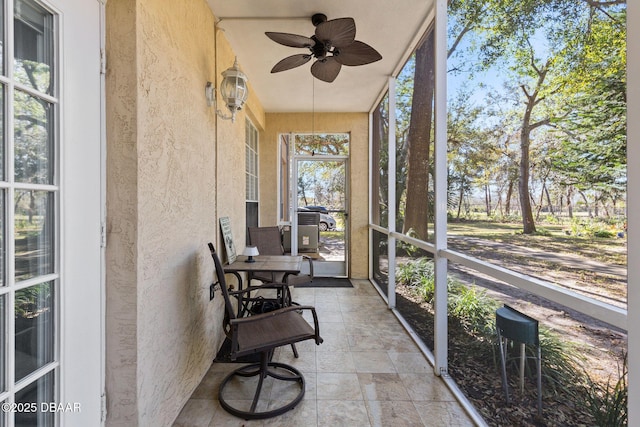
(250, 252)
(233, 89)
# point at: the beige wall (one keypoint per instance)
(173, 169)
(354, 123)
(169, 180)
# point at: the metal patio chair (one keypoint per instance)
(262, 334)
(268, 240)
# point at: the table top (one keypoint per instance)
(270, 263)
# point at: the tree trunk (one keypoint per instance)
(507, 202)
(487, 200)
(460, 197)
(539, 205)
(569, 202)
(586, 203)
(528, 225)
(551, 210)
(419, 137)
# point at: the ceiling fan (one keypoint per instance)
(333, 45)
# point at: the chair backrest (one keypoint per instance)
(222, 282)
(268, 240)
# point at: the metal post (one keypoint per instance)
(440, 262)
(391, 246)
(523, 358)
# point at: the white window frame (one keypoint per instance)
(9, 187)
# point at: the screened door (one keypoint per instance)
(317, 190)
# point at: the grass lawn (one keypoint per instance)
(551, 237)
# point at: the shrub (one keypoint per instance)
(604, 234)
(474, 309)
(607, 403)
(420, 276)
(540, 231)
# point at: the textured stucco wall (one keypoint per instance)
(354, 123)
(231, 154)
(122, 212)
(173, 168)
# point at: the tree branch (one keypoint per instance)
(539, 123)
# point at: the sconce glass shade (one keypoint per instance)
(250, 252)
(233, 88)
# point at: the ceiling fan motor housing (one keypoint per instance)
(318, 18)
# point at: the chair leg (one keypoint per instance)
(264, 362)
(264, 369)
(523, 359)
(503, 365)
(539, 381)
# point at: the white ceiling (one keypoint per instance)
(388, 26)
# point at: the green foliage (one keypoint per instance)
(540, 231)
(32, 300)
(561, 360)
(604, 234)
(419, 276)
(551, 219)
(561, 363)
(593, 227)
(566, 59)
(469, 305)
(608, 403)
(474, 309)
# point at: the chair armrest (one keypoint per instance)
(258, 317)
(310, 260)
(258, 287)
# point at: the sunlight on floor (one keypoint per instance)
(368, 372)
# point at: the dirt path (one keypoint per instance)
(603, 345)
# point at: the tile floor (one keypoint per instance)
(368, 372)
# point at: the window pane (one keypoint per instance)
(3, 230)
(33, 140)
(33, 46)
(285, 195)
(36, 394)
(34, 328)
(252, 217)
(380, 261)
(34, 228)
(3, 343)
(414, 144)
(380, 178)
(2, 38)
(3, 146)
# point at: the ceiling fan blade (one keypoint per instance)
(326, 69)
(338, 32)
(357, 53)
(291, 40)
(290, 62)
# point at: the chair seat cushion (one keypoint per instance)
(274, 330)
